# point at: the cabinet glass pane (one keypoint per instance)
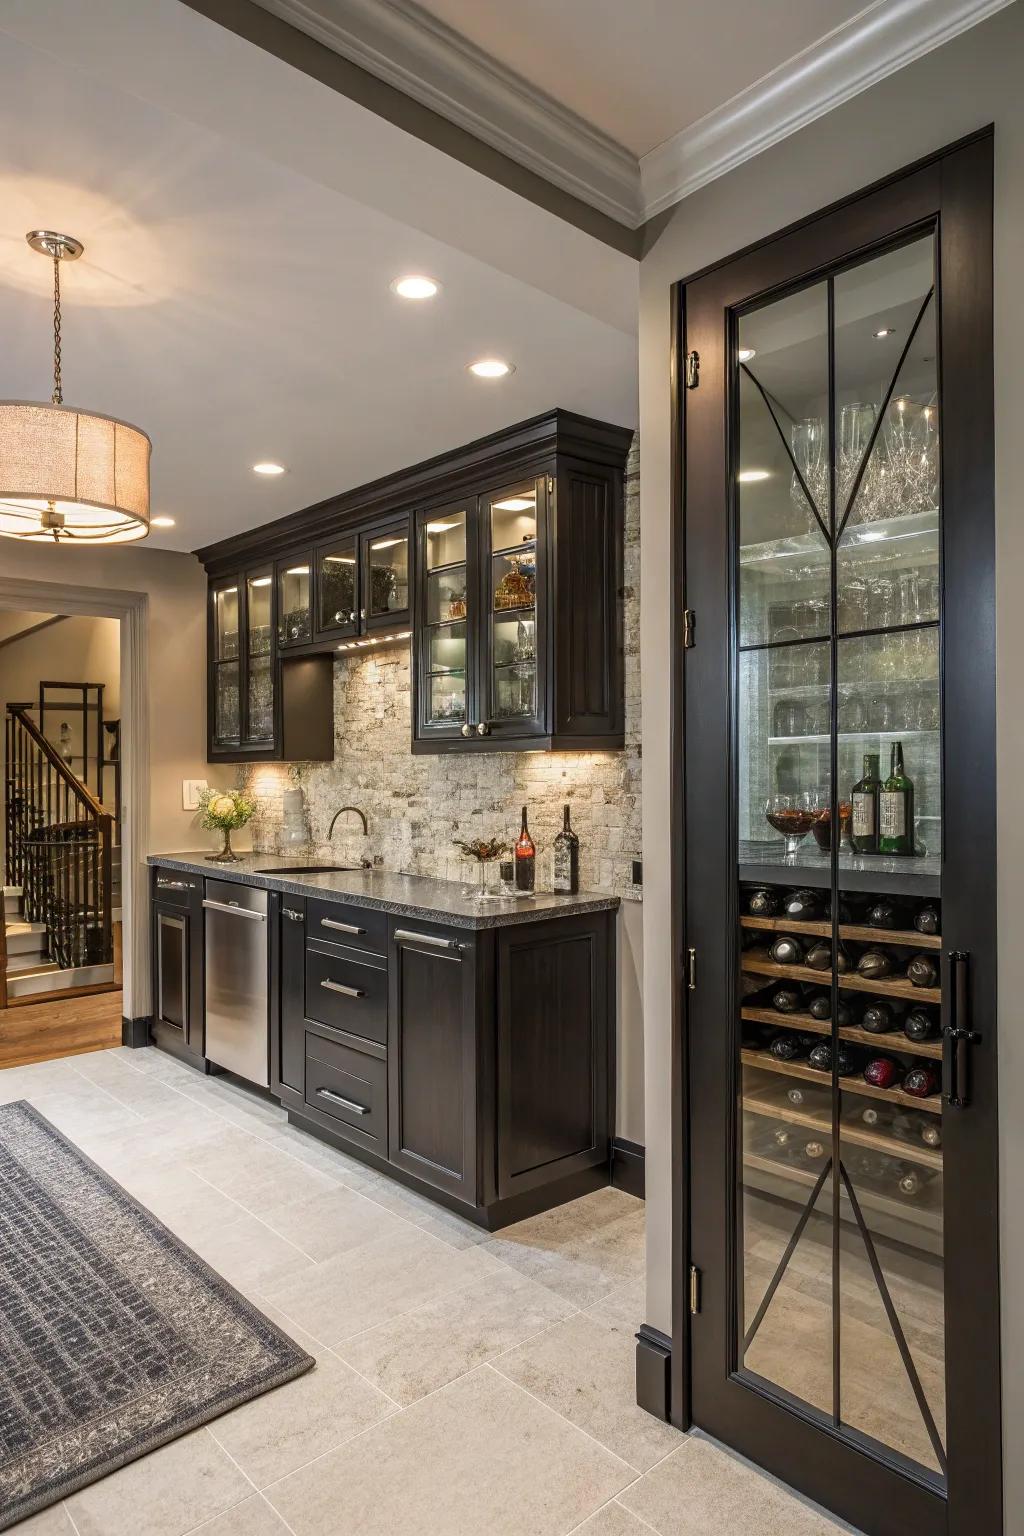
(259, 602)
(839, 1034)
(447, 649)
(446, 540)
(782, 479)
(446, 701)
(226, 717)
(446, 595)
(225, 623)
(514, 651)
(261, 699)
(337, 578)
(171, 981)
(294, 621)
(388, 564)
(514, 518)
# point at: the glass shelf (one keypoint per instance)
(810, 547)
(766, 863)
(824, 739)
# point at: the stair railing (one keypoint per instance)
(58, 847)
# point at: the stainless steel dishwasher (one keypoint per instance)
(237, 1017)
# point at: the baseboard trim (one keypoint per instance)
(628, 1166)
(135, 1032)
(653, 1379)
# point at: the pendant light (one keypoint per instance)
(69, 475)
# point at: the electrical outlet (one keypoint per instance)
(190, 792)
(638, 872)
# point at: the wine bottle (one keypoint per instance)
(927, 920)
(921, 1082)
(919, 1024)
(878, 1018)
(922, 971)
(931, 1134)
(864, 832)
(567, 859)
(525, 858)
(819, 956)
(896, 808)
(786, 951)
(874, 964)
(882, 1072)
(764, 902)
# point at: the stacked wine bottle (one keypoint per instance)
(884, 1044)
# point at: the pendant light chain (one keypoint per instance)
(58, 394)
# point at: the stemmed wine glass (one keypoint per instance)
(793, 816)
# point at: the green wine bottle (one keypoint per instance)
(896, 808)
(864, 830)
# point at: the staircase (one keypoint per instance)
(63, 867)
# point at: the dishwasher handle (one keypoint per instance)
(233, 911)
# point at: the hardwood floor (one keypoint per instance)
(68, 1026)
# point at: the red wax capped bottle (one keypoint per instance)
(525, 858)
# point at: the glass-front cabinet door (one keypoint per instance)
(226, 672)
(337, 587)
(258, 728)
(295, 601)
(512, 524)
(839, 857)
(385, 577)
(446, 632)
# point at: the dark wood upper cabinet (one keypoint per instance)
(504, 560)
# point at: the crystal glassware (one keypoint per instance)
(792, 815)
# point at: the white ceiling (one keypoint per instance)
(237, 307)
(644, 70)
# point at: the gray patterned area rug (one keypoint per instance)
(114, 1337)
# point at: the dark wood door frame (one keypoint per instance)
(953, 191)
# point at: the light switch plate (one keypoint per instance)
(190, 792)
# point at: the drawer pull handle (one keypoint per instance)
(337, 1098)
(174, 885)
(406, 936)
(338, 986)
(330, 922)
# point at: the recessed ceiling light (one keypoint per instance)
(887, 330)
(748, 476)
(267, 467)
(415, 287)
(746, 353)
(491, 368)
(162, 522)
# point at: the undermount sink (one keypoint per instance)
(310, 869)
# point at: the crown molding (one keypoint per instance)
(406, 47)
(883, 38)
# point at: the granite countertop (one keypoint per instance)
(403, 895)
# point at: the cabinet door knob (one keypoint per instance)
(467, 729)
(483, 729)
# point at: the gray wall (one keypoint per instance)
(952, 91)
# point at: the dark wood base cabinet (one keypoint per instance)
(472, 1065)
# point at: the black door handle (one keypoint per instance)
(958, 1036)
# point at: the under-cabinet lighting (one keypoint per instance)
(261, 581)
(442, 527)
(297, 570)
(339, 559)
(385, 543)
(745, 354)
(515, 504)
(871, 536)
(168, 522)
(358, 645)
(267, 467)
(887, 330)
(749, 476)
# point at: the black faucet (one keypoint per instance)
(358, 812)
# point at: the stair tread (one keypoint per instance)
(21, 926)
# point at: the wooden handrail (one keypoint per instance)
(81, 791)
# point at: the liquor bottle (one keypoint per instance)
(896, 808)
(567, 859)
(525, 858)
(864, 832)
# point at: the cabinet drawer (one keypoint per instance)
(175, 887)
(355, 927)
(350, 1086)
(347, 990)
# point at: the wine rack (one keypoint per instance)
(758, 962)
(806, 1024)
(762, 1060)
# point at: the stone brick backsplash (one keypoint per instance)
(417, 805)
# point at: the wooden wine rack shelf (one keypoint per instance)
(907, 938)
(759, 963)
(767, 1103)
(903, 1214)
(857, 1085)
(894, 1042)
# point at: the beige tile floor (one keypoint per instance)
(465, 1385)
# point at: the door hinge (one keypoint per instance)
(694, 1289)
(551, 486)
(692, 370)
(691, 970)
(689, 622)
